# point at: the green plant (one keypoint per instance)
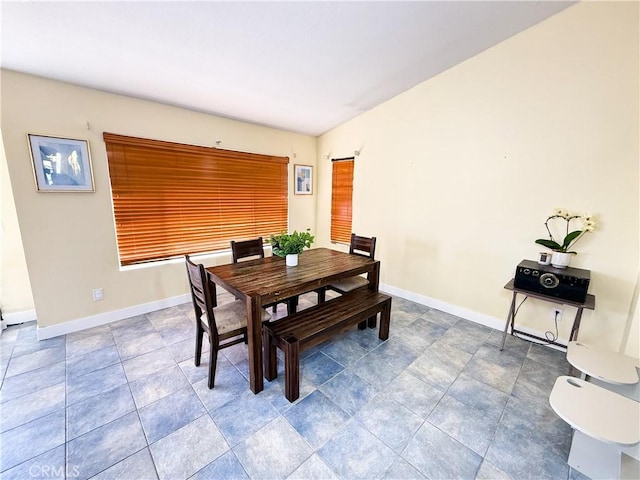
(285, 244)
(586, 224)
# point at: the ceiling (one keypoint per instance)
(303, 66)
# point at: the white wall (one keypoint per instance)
(457, 175)
(69, 238)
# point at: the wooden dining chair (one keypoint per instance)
(247, 249)
(225, 325)
(254, 248)
(358, 245)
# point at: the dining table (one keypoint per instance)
(266, 280)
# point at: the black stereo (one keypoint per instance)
(565, 283)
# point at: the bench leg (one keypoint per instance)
(269, 356)
(372, 322)
(291, 369)
(385, 320)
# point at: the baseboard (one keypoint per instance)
(108, 317)
(16, 318)
(481, 318)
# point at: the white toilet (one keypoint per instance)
(603, 409)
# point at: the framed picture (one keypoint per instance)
(61, 164)
(303, 180)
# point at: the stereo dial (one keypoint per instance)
(549, 280)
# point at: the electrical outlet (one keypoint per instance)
(98, 294)
(556, 314)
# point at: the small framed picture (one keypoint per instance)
(303, 180)
(61, 164)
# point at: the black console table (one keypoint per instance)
(589, 304)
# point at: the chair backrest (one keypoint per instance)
(202, 293)
(364, 246)
(247, 248)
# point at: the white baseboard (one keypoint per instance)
(481, 318)
(16, 318)
(456, 310)
(108, 317)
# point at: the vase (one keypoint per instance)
(292, 260)
(560, 259)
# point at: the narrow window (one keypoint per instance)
(341, 199)
(171, 199)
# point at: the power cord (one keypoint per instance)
(550, 336)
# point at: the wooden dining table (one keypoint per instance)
(266, 280)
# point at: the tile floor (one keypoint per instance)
(437, 400)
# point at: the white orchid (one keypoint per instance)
(560, 212)
(588, 224)
(570, 238)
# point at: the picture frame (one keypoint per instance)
(61, 164)
(303, 180)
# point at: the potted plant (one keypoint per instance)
(290, 245)
(561, 253)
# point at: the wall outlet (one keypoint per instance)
(556, 314)
(98, 294)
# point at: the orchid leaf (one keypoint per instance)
(570, 238)
(549, 244)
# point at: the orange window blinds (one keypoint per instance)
(171, 199)
(341, 200)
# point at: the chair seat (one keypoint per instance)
(232, 316)
(596, 412)
(610, 367)
(350, 284)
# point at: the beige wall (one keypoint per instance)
(457, 175)
(15, 289)
(69, 238)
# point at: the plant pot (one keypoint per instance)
(560, 259)
(292, 260)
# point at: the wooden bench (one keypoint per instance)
(309, 327)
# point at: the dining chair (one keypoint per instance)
(225, 325)
(247, 249)
(254, 248)
(364, 246)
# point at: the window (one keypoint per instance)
(341, 199)
(171, 199)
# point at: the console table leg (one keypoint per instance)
(510, 319)
(576, 325)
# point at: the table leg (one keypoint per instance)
(322, 291)
(510, 319)
(292, 305)
(576, 325)
(254, 336)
